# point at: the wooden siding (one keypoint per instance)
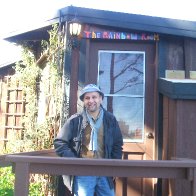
(190, 57)
(179, 134)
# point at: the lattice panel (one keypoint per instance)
(12, 109)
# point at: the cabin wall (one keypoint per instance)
(179, 135)
(179, 128)
(177, 53)
(190, 57)
(177, 116)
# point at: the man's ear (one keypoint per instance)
(101, 98)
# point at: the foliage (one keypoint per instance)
(6, 181)
(36, 183)
(40, 80)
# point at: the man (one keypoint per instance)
(93, 133)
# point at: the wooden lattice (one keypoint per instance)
(12, 109)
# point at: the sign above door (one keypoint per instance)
(119, 35)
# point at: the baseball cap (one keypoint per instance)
(90, 88)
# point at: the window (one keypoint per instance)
(121, 76)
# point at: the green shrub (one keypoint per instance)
(6, 181)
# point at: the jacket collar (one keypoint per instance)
(84, 117)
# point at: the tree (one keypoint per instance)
(128, 65)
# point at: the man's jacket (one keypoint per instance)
(69, 140)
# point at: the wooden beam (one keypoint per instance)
(74, 82)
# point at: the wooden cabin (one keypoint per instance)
(146, 67)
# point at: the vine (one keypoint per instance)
(41, 82)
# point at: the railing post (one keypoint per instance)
(193, 183)
(21, 179)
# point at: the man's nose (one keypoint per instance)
(90, 99)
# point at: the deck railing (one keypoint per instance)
(45, 162)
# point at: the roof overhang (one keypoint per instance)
(110, 19)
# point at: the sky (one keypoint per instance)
(21, 14)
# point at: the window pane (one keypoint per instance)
(123, 71)
(121, 77)
(129, 113)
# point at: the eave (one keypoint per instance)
(109, 19)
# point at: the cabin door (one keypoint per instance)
(125, 72)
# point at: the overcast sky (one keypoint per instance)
(18, 14)
(15, 14)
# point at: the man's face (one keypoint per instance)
(92, 101)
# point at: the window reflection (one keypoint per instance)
(129, 113)
(124, 72)
(122, 79)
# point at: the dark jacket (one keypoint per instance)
(69, 139)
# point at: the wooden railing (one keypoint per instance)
(45, 162)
